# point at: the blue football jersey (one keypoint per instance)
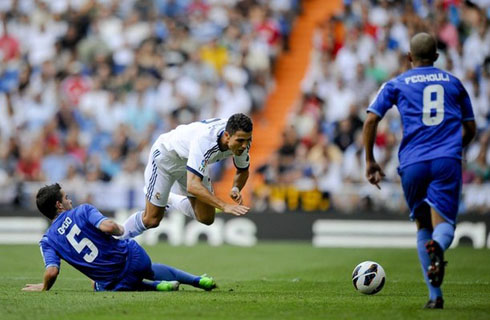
(74, 237)
(432, 104)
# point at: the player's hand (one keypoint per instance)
(235, 209)
(374, 173)
(33, 287)
(236, 195)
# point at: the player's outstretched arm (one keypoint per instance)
(195, 187)
(50, 276)
(111, 227)
(374, 173)
(241, 177)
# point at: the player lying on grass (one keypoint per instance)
(83, 237)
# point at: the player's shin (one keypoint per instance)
(133, 226)
(424, 235)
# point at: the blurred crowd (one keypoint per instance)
(320, 164)
(86, 86)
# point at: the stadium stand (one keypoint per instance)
(87, 85)
(320, 163)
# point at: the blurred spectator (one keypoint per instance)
(354, 53)
(88, 85)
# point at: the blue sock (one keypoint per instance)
(443, 234)
(424, 235)
(164, 272)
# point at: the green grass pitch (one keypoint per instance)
(268, 281)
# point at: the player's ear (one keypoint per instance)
(436, 56)
(409, 55)
(227, 136)
(59, 205)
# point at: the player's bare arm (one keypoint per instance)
(374, 173)
(50, 276)
(239, 181)
(111, 227)
(469, 132)
(195, 187)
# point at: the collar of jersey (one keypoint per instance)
(424, 67)
(58, 216)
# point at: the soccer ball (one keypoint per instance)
(368, 277)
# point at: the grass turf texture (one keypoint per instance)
(269, 281)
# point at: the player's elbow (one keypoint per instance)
(371, 120)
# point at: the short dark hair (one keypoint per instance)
(237, 122)
(46, 199)
(423, 47)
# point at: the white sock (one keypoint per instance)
(133, 226)
(181, 204)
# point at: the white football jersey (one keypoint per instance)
(196, 144)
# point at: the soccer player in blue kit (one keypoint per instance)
(83, 237)
(438, 123)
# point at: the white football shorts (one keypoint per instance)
(163, 169)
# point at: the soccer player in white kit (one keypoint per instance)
(183, 155)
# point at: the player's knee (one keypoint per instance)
(152, 215)
(423, 223)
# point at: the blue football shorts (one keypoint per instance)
(434, 182)
(138, 267)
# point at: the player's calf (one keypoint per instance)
(204, 213)
(153, 215)
(207, 220)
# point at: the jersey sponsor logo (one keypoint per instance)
(64, 225)
(427, 78)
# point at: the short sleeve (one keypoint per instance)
(466, 108)
(242, 162)
(199, 153)
(50, 257)
(384, 100)
(94, 217)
